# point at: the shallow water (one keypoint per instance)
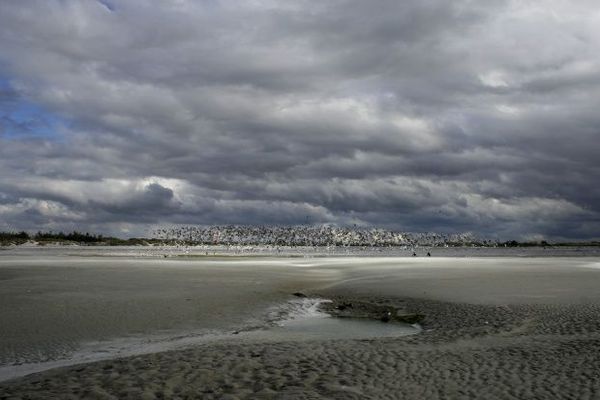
(301, 319)
(327, 327)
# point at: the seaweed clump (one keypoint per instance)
(362, 309)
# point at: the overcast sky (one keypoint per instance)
(413, 115)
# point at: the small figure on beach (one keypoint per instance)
(428, 254)
(386, 317)
(414, 254)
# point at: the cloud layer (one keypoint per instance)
(414, 115)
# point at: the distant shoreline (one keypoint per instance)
(199, 252)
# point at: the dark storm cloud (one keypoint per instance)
(416, 115)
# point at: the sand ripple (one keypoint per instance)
(467, 351)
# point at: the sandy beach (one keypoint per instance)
(280, 199)
(494, 328)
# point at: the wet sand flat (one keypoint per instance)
(49, 306)
(506, 328)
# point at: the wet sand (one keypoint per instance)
(508, 328)
(50, 306)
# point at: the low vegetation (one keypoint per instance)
(79, 238)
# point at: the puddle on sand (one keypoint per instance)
(300, 319)
(343, 328)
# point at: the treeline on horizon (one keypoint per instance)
(86, 238)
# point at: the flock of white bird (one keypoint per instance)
(306, 235)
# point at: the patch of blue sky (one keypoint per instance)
(23, 119)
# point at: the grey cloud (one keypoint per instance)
(417, 115)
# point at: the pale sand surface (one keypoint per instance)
(49, 306)
(508, 328)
